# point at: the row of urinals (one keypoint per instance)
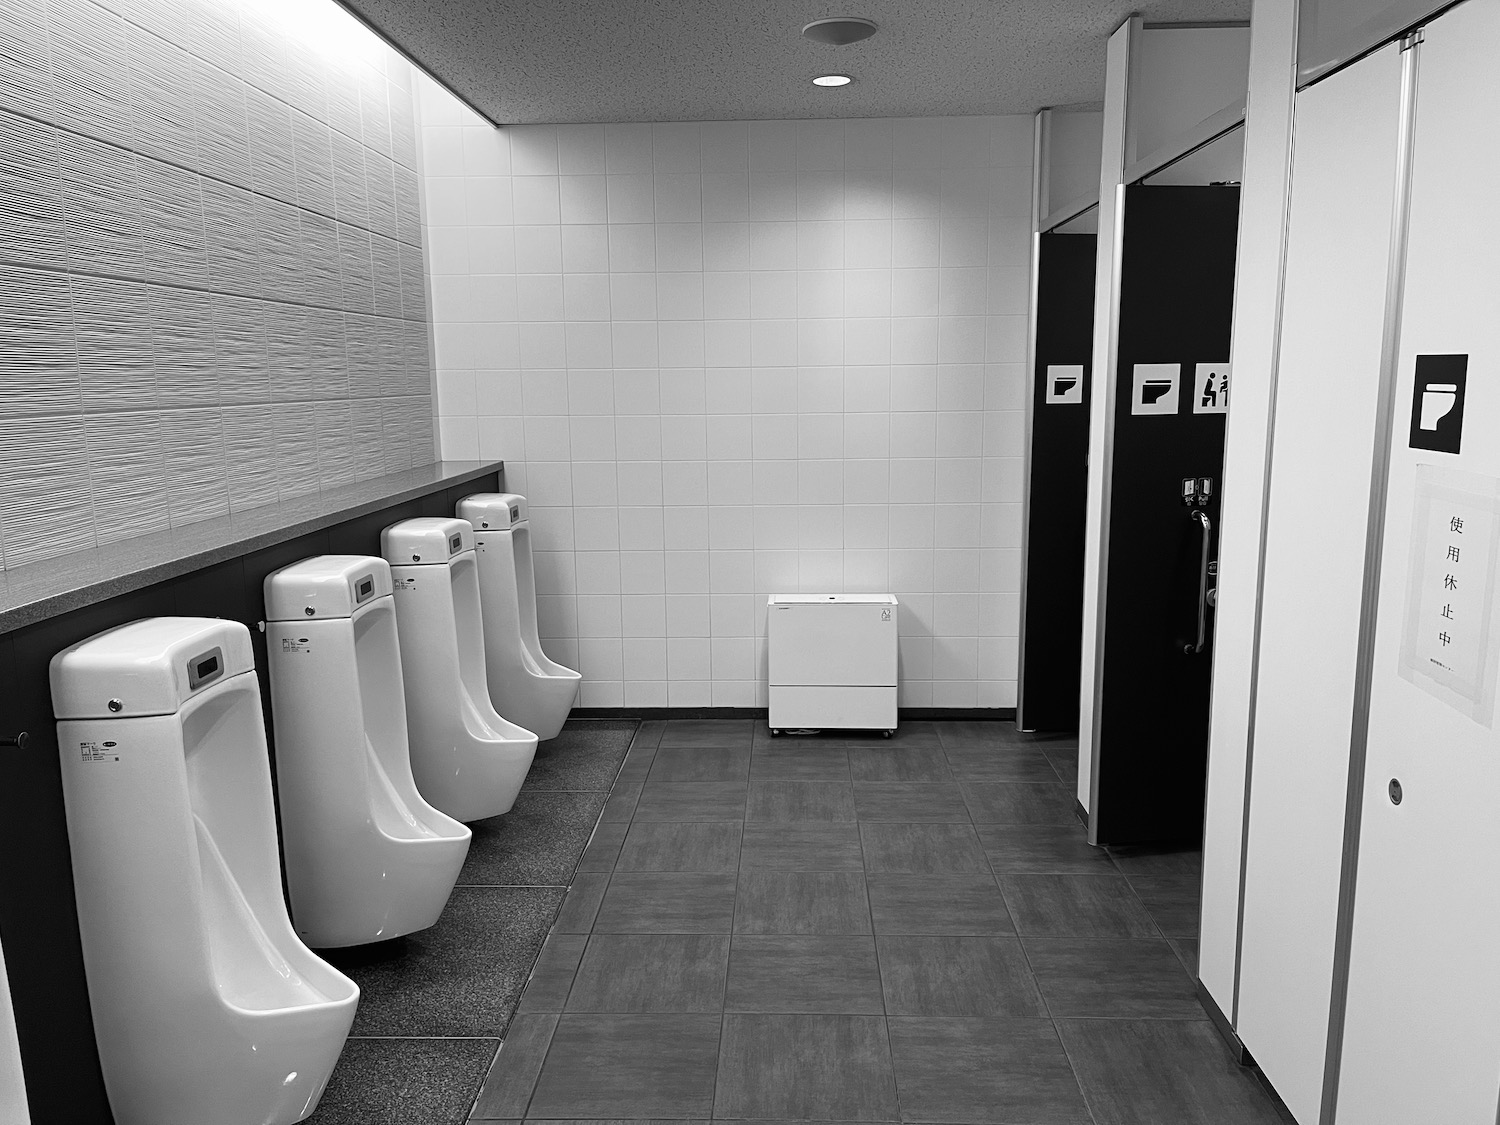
(389, 678)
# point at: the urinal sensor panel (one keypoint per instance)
(455, 544)
(205, 668)
(364, 588)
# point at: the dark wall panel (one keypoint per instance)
(1176, 306)
(1051, 631)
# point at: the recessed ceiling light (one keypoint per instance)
(832, 80)
(839, 31)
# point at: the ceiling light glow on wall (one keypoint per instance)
(832, 80)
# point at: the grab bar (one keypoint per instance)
(1201, 517)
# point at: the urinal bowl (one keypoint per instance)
(525, 684)
(367, 858)
(206, 1006)
(467, 760)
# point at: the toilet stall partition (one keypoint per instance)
(526, 685)
(1152, 688)
(206, 1005)
(468, 761)
(367, 859)
(1057, 489)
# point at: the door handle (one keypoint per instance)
(1205, 595)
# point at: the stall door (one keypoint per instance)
(1338, 249)
(12, 1083)
(1052, 607)
(1176, 304)
(1421, 1037)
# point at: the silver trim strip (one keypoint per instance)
(1380, 470)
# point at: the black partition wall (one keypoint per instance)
(1152, 700)
(1052, 606)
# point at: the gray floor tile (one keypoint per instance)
(651, 973)
(604, 846)
(547, 990)
(650, 732)
(681, 846)
(1146, 1072)
(922, 849)
(1042, 849)
(629, 1067)
(692, 800)
(585, 755)
(987, 734)
(537, 843)
(1187, 951)
(805, 802)
(899, 763)
(582, 903)
(678, 903)
(1171, 900)
(1002, 763)
(637, 764)
(1112, 978)
(957, 976)
(1015, 802)
(910, 732)
(798, 763)
(404, 1082)
(462, 976)
(1064, 763)
(801, 902)
(708, 732)
(622, 801)
(701, 763)
(804, 974)
(802, 847)
(822, 1067)
(507, 1088)
(937, 904)
(985, 1070)
(1075, 906)
(826, 739)
(1158, 860)
(910, 801)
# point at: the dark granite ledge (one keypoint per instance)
(34, 592)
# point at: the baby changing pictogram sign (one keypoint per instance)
(1211, 388)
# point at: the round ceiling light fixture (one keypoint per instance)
(832, 80)
(839, 31)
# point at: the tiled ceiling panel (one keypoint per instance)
(519, 61)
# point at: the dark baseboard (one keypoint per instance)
(908, 714)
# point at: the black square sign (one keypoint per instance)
(1437, 403)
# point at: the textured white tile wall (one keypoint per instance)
(730, 359)
(211, 275)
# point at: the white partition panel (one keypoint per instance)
(1421, 1038)
(13, 1109)
(1257, 313)
(1338, 243)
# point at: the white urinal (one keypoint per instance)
(525, 684)
(366, 857)
(468, 761)
(207, 1007)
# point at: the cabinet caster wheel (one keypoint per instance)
(775, 732)
(886, 733)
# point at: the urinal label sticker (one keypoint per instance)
(1211, 388)
(404, 583)
(1064, 383)
(295, 644)
(99, 751)
(1156, 388)
(1437, 403)
(1450, 637)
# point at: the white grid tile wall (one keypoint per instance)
(730, 359)
(211, 268)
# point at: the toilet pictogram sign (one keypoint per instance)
(1064, 383)
(1437, 403)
